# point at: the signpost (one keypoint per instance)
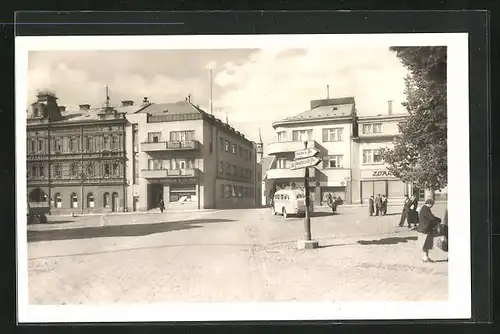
(306, 158)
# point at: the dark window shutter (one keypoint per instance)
(325, 134)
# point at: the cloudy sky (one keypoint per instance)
(253, 87)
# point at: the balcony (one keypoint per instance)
(168, 173)
(170, 146)
(275, 174)
(289, 146)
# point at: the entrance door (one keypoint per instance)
(115, 202)
(155, 192)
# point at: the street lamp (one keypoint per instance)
(307, 219)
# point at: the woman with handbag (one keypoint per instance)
(427, 224)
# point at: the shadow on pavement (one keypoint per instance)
(386, 241)
(52, 222)
(130, 230)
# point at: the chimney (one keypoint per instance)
(390, 107)
(62, 108)
(127, 103)
(145, 101)
(84, 106)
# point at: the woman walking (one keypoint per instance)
(413, 213)
(426, 226)
(371, 206)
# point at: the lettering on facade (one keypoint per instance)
(382, 173)
(180, 180)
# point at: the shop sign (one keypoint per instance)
(179, 180)
(382, 173)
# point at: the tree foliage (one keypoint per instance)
(419, 155)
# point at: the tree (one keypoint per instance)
(419, 155)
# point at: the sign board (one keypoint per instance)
(376, 174)
(306, 153)
(169, 181)
(304, 163)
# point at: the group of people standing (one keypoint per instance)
(410, 212)
(377, 206)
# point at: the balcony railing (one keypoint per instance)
(168, 173)
(289, 146)
(170, 145)
(285, 173)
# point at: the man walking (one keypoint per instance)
(406, 208)
(384, 205)
(371, 206)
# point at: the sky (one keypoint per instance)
(253, 87)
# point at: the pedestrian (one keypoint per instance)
(406, 208)
(161, 205)
(378, 204)
(443, 238)
(427, 227)
(371, 204)
(384, 205)
(413, 213)
(331, 202)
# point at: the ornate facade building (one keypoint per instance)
(76, 159)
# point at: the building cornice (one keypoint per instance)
(367, 119)
(298, 122)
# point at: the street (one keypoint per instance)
(230, 256)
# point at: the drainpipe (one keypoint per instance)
(125, 180)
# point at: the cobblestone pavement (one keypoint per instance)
(230, 256)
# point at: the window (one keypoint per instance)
(106, 200)
(57, 200)
(74, 169)
(235, 170)
(240, 172)
(372, 156)
(281, 136)
(33, 146)
(301, 135)
(227, 191)
(90, 200)
(58, 170)
(34, 171)
(40, 145)
(250, 174)
(114, 143)
(372, 128)
(74, 200)
(115, 169)
(234, 149)
(41, 170)
(155, 164)
(228, 169)
(106, 142)
(221, 167)
(367, 156)
(107, 170)
(234, 191)
(154, 137)
(335, 161)
(282, 163)
(377, 157)
(377, 128)
(240, 191)
(241, 152)
(58, 147)
(181, 136)
(87, 143)
(90, 169)
(226, 146)
(332, 134)
(222, 190)
(221, 143)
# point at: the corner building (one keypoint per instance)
(76, 159)
(189, 158)
(352, 167)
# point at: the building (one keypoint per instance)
(329, 126)
(352, 167)
(189, 158)
(76, 159)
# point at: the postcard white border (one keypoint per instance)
(459, 303)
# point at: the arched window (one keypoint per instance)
(106, 200)
(57, 200)
(74, 200)
(90, 200)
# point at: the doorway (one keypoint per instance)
(115, 202)
(155, 192)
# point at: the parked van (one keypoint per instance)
(289, 202)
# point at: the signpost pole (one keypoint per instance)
(307, 219)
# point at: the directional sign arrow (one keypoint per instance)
(306, 153)
(304, 163)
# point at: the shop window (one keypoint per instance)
(57, 200)
(227, 191)
(222, 189)
(240, 191)
(105, 199)
(74, 200)
(90, 200)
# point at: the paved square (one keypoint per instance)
(230, 256)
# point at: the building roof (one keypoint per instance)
(323, 109)
(78, 115)
(266, 165)
(181, 107)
